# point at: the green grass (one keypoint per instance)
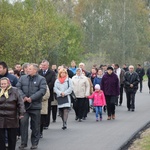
(145, 78)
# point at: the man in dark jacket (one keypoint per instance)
(141, 72)
(50, 77)
(148, 75)
(131, 80)
(32, 88)
(4, 73)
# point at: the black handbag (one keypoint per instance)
(62, 100)
(72, 95)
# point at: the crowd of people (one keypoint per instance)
(32, 92)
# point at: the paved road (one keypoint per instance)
(104, 135)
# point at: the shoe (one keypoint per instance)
(100, 118)
(64, 127)
(54, 121)
(109, 118)
(80, 120)
(128, 109)
(113, 116)
(45, 128)
(84, 118)
(22, 146)
(120, 104)
(76, 118)
(33, 147)
(132, 110)
(96, 119)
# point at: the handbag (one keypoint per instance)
(72, 95)
(62, 100)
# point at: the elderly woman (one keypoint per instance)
(81, 89)
(110, 87)
(63, 89)
(11, 110)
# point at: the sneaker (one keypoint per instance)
(100, 118)
(96, 119)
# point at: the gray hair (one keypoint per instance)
(43, 61)
(25, 65)
(35, 66)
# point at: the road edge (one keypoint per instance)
(134, 136)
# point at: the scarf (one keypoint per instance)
(62, 80)
(5, 92)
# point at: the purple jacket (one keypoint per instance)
(110, 84)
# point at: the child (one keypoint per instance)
(99, 101)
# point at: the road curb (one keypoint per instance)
(135, 136)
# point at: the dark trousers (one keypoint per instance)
(141, 84)
(149, 83)
(12, 133)
(86, 110)
(35, 127)
(48, 115)
(110, 105)
(43, 122)
(121, 94)
(130, 99)
(80, 107)
(54, 112)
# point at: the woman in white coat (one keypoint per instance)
(63, 89)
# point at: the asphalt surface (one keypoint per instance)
(102, 135)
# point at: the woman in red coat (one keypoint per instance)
(11, 110)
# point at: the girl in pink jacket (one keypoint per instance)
(99, 101)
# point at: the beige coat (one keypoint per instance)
(81, 86)
(45, 98)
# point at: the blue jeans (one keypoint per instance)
(98, 110)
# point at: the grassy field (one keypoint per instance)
(143, 143)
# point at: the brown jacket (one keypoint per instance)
(11, 109)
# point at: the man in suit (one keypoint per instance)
(50, 79)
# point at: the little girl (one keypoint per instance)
(99, 101)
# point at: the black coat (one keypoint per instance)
(131, 79)
(50, 77)
(148, 73)
(140, 72)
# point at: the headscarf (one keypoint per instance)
(5, 91)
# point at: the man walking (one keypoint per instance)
(131, 80)
(120, 73)
(141, 72)
(50, 77)
(32, 88)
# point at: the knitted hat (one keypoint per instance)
(110, 68)
(97, 87)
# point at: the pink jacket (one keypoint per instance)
(98, 97)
